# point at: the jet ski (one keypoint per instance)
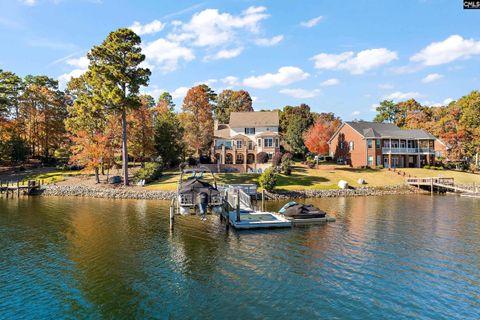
(197, 196)
(296, 210)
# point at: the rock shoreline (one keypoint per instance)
(125, 193)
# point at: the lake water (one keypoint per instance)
(391, 257)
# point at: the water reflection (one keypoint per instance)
(408, 256)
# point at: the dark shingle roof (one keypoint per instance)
(387, 130)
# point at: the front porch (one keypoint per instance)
(406, 160)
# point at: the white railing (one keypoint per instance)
(407, 150)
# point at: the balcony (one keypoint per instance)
(407, 150)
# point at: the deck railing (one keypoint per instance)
(407, 150)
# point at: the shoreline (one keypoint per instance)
(124, 193)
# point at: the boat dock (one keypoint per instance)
(11, 189)
(440, 185)
(245, 216)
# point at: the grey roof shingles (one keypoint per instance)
(387, 130)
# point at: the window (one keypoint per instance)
(378, 143)
(259, 143)
(370, 144)
(250, 145)
(341, 145)
(277, 143)
(379, 161)
(351, 146)
(249, 130)
(268, 142)
(370, 161)
(270, 156)
(239, 144)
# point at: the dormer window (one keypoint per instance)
(249, 131)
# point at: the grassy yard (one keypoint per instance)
(304, 178)
(54, 176)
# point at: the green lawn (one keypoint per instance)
(54, 176)
(323, 178)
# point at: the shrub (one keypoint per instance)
(276, 159)
(268, 179)
(380, 167)
(286, 166)
(262, 157)
(151, 172)
(191, 161)
(205, 160)
(439, 168)
(426, 167)
(287, 155)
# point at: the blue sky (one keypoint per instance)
(341, 57)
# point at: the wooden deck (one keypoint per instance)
(11, 189)
(439, 184)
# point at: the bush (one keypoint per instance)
(205, 160)
(262, 157)
(268, 179)
(276, 159)
(191, 161)
(380, 167)
(439, 168)
(287, 155)
(426, 167)
(286, 166)
(151, 172)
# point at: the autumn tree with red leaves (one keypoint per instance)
(317, 136)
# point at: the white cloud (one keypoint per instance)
(432, 77)
(355, 113)
(212, 28)
(208, 82)
(284, 76)
(179, 93)
(356, 64)
(301, 93)
(447, 101)
(312, 22)
(80, 64)
(225, 54)
(154, 91)
(149, 28)
(385, 86)
(374, 107)
(330, 82)
(167, 54)
(30, 3)
(231, 81)
(453, 48)
(398, 95)
(266, 42)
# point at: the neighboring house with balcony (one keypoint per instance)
(362, 143)
(237, 143)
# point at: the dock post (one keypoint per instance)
(18, 189)
(263, 200)
(238, 205)
(172, 216)
(431, 186)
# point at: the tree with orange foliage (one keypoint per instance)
(140, 126)
(317, 136)
(90, 150)
(197, 119)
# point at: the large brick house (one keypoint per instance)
(237, 143)
(362, 143)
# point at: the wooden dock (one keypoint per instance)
(439, 184)
(18, 188)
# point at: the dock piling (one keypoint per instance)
(238, 206)
(172, 215)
